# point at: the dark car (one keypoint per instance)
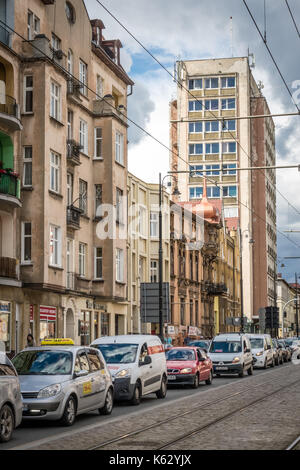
(277, 352)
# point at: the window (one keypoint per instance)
(182, 311)
(231, 212)
(54, 172)
(212, 170)
(55, 42)
(28, 94)
(69, 189)
(83, 136)
(229, 125)
(119, 206)
(195, 105)
(82, 259)
(195, 84)
(98, 263)
(83, 77)
(153, 271)
(142, 221)
(70, 12)
(195, 127)
(211, 104)
(55, 245)
(98, 197)
(98, 142)
(27, 166)
(119, 148)
(213, 192)
(196, 170)
(26, 242)
(70, 62)
(229, 191)
(153, 224)
(229, 169)
(228, 147)
(211, 83)
(212, 126)
(70, 124)
(33, 25)
(196, 192)
(99, 87)
(83, 188)
(119, 265)
(212, 148)
(191, 267)
(228, 82)
(228, 103)
(55, 101)
(195, 149)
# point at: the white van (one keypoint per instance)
(137, 364)
(261, 347)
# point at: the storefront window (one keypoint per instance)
(5, 313)
(96, 325)
(47, 330)
(84, 328)
(104, 324)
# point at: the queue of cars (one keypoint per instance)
(58, 381)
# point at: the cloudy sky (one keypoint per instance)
(189, 29)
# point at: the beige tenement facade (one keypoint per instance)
(207, 135)
(143, 246)
(69, 147)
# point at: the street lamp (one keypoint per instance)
(241, 278)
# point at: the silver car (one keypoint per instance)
(10, 399)
(60, 382)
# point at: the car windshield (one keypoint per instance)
(226, 347)
(288, 341)
(199, 344)
(180, 355)
(256, 343)
(46, 362)
(118, 353)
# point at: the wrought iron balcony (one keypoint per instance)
(10, 187)
(73, 217)
(73, 152)
(10, 113)
(211, 288)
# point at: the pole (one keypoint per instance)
(297, 326)
(160, 260)
(241, 284)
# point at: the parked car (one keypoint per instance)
(137, 364)
(231, 354)
(286, 351)
(188, 365)
(261, 347)
(277, 352)
(10, 399)
(59, 382)
(200, 343)
(295, 348)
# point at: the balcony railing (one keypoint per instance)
(73, 217)
(9, 183)
(10, 112)
(73, 152)
(8, 267)
(211, 288)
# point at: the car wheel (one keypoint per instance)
(69, 414)
(136, 399)
(210, 379)
(250, 370)
(277, 361)
(241, 374)
(162, 392)
(7, 423)
(272, 363)
(218, 375)
(196, 381)
(109, 403)
(265, 364)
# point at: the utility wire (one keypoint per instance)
(196, 98)
(292, 16)
(68, 74)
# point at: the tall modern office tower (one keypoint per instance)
(207, 133)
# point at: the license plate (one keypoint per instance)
(221, 368)
(171, 377)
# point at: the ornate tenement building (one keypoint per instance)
(207, 134)
(63, 136)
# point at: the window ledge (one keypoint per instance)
(27, 188)
(84, 216)
(25, 263)
(29, 113)
(99, 159)
(120, 164)
(55, 195)
(84, 154)
(56, 268)
(97, 280)
(56, 121)
(121, 283)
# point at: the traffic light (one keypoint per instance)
(275, 311)
(268, 317)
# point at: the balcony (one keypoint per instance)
(73, 152)
(10, 188)
(107, 107)
(8, 268)
(10, 113)
(73, 217)
(211, 288)
(74, 89)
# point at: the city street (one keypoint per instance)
(89, 429)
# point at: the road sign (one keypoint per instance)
(150, 302)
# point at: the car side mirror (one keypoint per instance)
(202, 359)
(81, 373)
(146, 361)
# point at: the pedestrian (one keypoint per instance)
(30, 341)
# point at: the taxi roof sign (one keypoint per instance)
(57, 342)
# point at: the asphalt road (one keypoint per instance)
(32, 430)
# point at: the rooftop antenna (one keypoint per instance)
(231, 35)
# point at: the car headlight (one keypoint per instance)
(235, 360)
(123, 373)
(50, 391)
(260, 353)
(188, 370)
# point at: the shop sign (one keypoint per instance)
(5, 306)
(193, 331)
(171, 330)
(46, 313)
(103, 308)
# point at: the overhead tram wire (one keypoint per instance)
(196, 98)
(292, 16)
(68, 74)
(271, 55)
